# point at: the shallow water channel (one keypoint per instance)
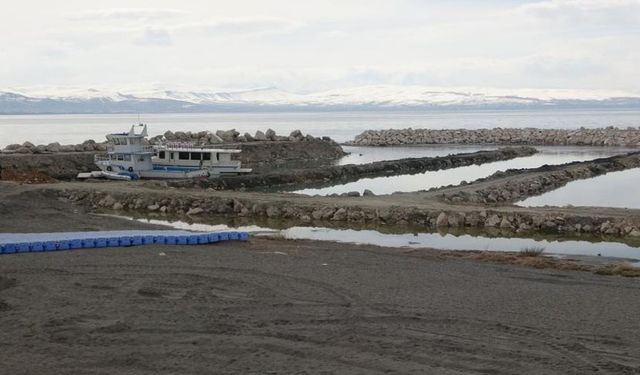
(615, 189)
(440, 241)
(423, 181)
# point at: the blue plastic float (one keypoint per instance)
(11, 243)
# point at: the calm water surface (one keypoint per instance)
(427, 180)
(615, 189)
(341, 126)
(427, 240)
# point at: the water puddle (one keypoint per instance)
(425, 240)
(435, 179)
(615, 189)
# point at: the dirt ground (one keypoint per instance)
(276, 306)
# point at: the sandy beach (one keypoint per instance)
(297, 307)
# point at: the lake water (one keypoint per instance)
(426, 240)
(341, 126)
(615, 189)
(423, 181)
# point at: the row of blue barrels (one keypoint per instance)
(122, 241)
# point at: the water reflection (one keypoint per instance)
(426, 240)
(423, 181)
(615, 189)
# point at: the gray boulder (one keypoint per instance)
(228, 135)
(296, 136)
(260, 136)
(271, 135)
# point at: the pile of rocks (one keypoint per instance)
(30, 148)
(609, 136)
(540, 180)
(228, 136)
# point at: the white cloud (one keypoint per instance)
(591, 13)
(135, 14)
(289, 44)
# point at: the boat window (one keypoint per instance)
(183, 155)
(206, 156)
(172, 156)
(196, 156)
(217, 156)
(161, 154)
(120, 157)
(134, 141)
(127, 158)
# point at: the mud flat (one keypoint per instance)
(609, 136)
(296, 306)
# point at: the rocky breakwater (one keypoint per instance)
(66, 161)
(352, 212)
(609, 136)
(262, 148)
(515, 185)
(54, 148)
(330, 175)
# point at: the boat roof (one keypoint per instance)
(198, 149)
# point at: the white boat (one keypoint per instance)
(129, 157)
(217, 161)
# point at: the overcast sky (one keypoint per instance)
(314, 45)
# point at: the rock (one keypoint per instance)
(12, 147)
(367, 193)
(228, 135)
(248, 137)
(305, 218)
(169, 136)
(153, 207)
(117, 206)
(213, 139)
(260, 136)
(442, 220)
(339, 215)
(271, 135)
(634, 233)
(492, 221)
(505, 224)
(353, 194)
(29, 145)
(195, 211)
(296, 136)
(273, 211)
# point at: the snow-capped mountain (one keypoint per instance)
(123, 100)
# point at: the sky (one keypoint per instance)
(305, 46)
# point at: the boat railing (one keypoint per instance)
(102, 157)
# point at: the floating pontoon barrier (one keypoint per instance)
(11, 243)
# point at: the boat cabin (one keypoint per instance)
(126, 152)
(216, 160)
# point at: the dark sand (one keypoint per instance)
(275, 306)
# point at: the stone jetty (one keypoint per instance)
(609, 136)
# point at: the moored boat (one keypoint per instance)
(129, 157)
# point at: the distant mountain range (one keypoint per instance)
(90, 100)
